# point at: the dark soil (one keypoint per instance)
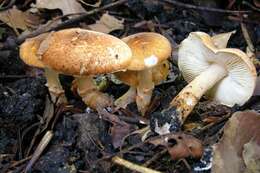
(83, 141)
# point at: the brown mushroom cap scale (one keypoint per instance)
(148, 49)
(81, 52)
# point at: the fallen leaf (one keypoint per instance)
(66, 6)
(251, 156)
(119, 130)
(237, 150)
(180, 145)
(17, 19)
(107, 24)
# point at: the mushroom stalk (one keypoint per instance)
(54, 86)
(90, 95)
(189, 96)
(127, 98)
(144, 90)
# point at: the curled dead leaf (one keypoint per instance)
(180, 145)
(66, 6)
(17, 19)
(238, 150)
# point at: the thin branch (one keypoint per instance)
(132, 166)
(180, 4)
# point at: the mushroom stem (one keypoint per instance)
(189, 96)
(144, 90)
(90, 95)
(54, 86)
(127, 98)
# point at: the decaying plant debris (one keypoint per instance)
(49, 128)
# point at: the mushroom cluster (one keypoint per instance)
(226, 75)
(80, 53)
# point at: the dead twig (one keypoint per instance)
(250, 6)
(155, 157)
(247, 37)
(42, 145)
(9, 5)
(184, 5)
(132, 166)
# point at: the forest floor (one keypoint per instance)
(87, 141)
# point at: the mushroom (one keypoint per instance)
(149, 50)
(225, 75)
(80, 53)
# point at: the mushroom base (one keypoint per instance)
(166, 121)
(89, 93)
(127, 98)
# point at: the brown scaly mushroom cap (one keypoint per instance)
(77, 52)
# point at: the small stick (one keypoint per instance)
(180, 4)
(132, 166)
(251, 6)
(247, 37)
(42, 145)
(155, 157)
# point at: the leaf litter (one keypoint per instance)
(88, 141)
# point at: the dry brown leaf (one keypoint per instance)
(17, 19)
(119, 130)
(180, 145)
(107, 24)
(66, 6)
(238, 150)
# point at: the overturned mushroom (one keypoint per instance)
(80, 53)
(225, 75)
(149, 51)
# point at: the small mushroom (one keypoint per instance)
(80, 53)
(149, 51)
(225, 75)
